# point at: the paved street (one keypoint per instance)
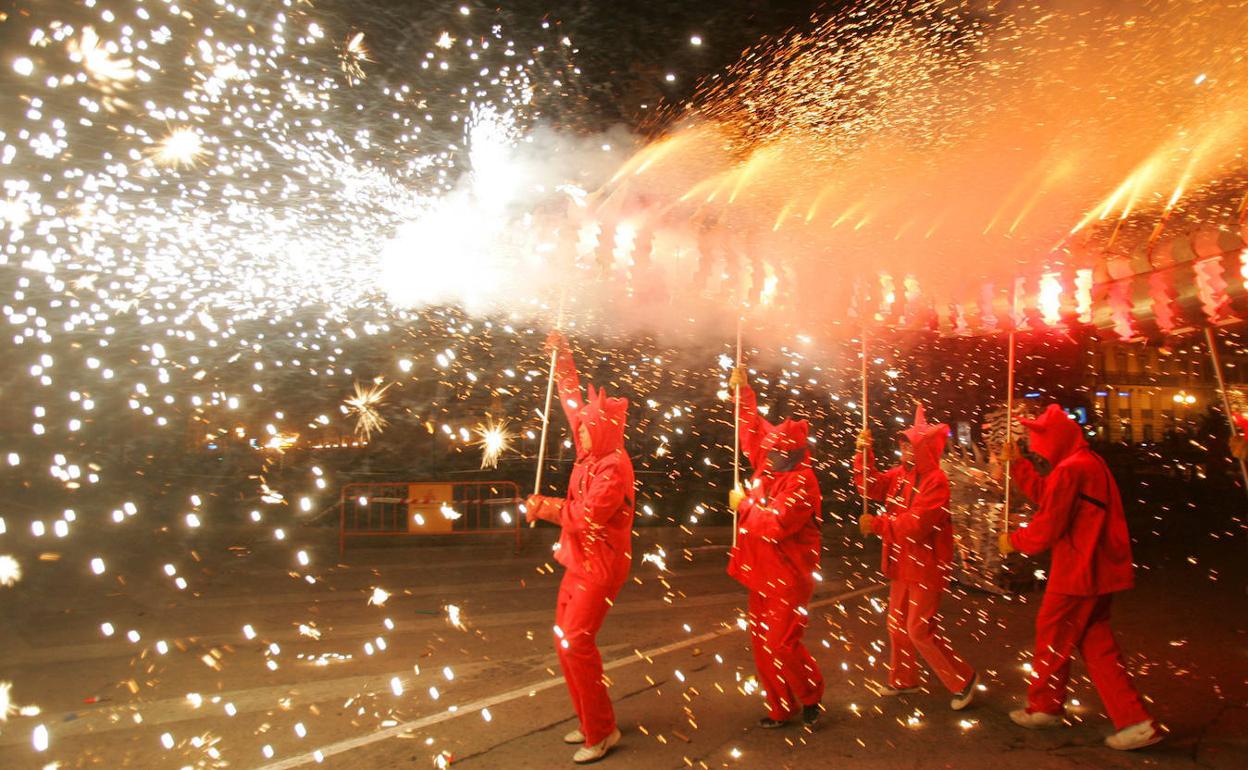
(397, 685)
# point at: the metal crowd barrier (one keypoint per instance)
(425, 508)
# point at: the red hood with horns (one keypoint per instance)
(1053, 435)
(928, 440)
(605, 418)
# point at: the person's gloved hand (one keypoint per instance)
(1004, 546)
(738, 378)
(1009, 453)
(555, 341)
(1239, 447)
(864, 440)
(735, 497)
(866, 524)
(531, 504)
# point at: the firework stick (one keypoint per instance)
(1212, 340)
(1009, 422)
(550, 392)
(736, 434)
(866, 502)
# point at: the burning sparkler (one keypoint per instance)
(97, 59)
(353, 57)
(453, 617)
(182, 147)
(495, 439)
(363, 404)
(7, 709)
(10, 570)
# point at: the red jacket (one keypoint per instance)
(778, 535)
(597, 515)
(915, 525)
(1080, 511)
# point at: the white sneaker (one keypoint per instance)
(576, 736)
(1036, 720)
(587, 754)
(892, 692)
(964, 698)
(1137, 736)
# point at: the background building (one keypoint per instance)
(1141, 393)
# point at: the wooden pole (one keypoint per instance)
(1212, 341)
(866, 502)
(736, 434)
(550, 392)
(1009, 422)
(736, 420)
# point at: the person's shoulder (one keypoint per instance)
(617, 458)
(1081, 458)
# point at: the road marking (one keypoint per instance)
(350, 744)
(290, 634)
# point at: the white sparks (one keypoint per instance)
(10, 570)
(363, 404)
(7, 709)
(494, 441)
(182, 147)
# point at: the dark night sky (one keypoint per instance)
(625, 47)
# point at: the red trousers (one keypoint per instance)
(1064, 623)
(913, 630)
(789, 674)
(579, 614)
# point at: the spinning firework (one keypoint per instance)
(494, 441)
(182, 147)
(364, 406)
(353, 57)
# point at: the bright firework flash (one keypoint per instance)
(97, 58)
(10, 709)
(363, 404)
(181, 148)
(353, 57)
(454, 617)
(10, 570)
(494, 441)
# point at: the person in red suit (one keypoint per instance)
(776, 557)
(917, 554)
(1079, 518)
(595, 548)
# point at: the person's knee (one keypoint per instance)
(578, 645)
(896, 625)
(920, 629)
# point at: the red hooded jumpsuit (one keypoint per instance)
(918, 549)
(777, 555)
(595, 546)
(1080, 518)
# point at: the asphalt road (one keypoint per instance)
(321, 674)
